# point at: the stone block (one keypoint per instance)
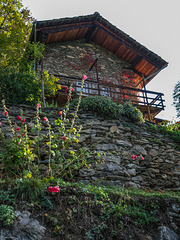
(113, 129)
(85, 172)
(132, 172)
(131, 185)
(153, 153)
(113, 158)
(106, 147)
(123, 143)
(139, 150)
(113, 167)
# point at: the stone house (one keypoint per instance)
(116, 65)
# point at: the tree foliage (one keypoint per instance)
(176, 98)
(15, 24)
(18, 82)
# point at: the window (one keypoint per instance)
(105, 92)
(85, 88)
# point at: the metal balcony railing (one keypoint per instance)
(117, 93)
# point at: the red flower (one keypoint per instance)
(17, 128)
(63, 138)
(134, 157)
(53, 189)
(23, 121)
(39, 106)
(103, 160)
(72, 89)
(84, 77)
(4, 113)
(19, 117)
(45, 119)
(142, 158)
(60, 112)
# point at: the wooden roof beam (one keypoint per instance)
(43, 37)
(56, 30)
(89, 34)
(136, 61)
(129, 46)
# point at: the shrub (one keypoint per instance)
(132, 112)
(106, 108)
(26, 87)
(20, 88)
(102, 106)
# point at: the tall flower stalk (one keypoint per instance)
(49, 143)
(7, 116)
(38, 126)
(78, 104)
(68, 103)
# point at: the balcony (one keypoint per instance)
(150, 103)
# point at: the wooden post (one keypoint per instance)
(97, 79)
(149, 114)
(35, 43)
(42, 82)
(95, 63)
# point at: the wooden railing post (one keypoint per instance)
(149, 114)
(97, 79)
(42, 82)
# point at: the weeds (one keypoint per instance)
(7, 215)
(168, 130)
(29, 189)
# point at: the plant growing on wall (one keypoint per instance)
(21, 155)
(105, 107)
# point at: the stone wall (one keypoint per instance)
(74, 58)
(118, 140)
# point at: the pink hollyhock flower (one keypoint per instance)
(39, 106)
(60, 112)
(4, 113)
(17, 128)
(23, 121)
(84, 77)
(72, 89)
(0, 123)
(103, 160)
(63, 138)
(134, 157)
(19, 117)
(18, 143)
(142, 158)
(53, 189)
(45, 119)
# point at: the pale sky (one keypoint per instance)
(153, 23)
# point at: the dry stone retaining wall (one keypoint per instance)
(118, 140)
